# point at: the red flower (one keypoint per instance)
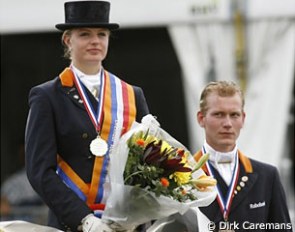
(140, 142)
(180, 152)
(183, 191)
(164, 182)
(153, 156)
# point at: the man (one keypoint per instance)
(250, 194)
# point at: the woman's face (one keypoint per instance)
(87, 45)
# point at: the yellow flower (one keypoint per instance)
(181, 178)
(204, 182)
(166, 146)
(149, 139)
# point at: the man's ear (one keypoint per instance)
(200, 118)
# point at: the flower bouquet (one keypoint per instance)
(153, 176)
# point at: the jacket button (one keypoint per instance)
(84, 135)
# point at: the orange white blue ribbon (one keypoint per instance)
(116, 112)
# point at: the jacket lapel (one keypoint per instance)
(73, 94)
(247, 179)
(212, 211)
(214, 208)
(69, 88)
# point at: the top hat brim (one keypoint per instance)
(66, 26)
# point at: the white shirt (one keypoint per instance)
(92, 82)
(223, 162)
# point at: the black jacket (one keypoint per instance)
(258, 205)
(59, 124)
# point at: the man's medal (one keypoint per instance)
(225, 204)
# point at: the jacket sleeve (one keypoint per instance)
(278, 210)
(141, 104)
(41, 162)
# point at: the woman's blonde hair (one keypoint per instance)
(223, 89)
(67, 51)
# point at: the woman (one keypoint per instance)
(75, 119)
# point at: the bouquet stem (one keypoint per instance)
(133, 174)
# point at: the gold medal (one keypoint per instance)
(98, 146)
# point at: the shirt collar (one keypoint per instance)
(220, 157)
(94, 79)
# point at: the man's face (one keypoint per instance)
(222, 121)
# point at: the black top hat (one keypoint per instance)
(87, 14)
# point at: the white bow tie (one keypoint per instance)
(221, 157)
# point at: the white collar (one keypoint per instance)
(90, 79)
(220, 157)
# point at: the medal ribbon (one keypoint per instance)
(225, 204)
(96, 117)
(115, 106)
(99, 174)
(118, 107)
(100, 165)
(72, 179)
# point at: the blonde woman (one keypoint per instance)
(75, 119)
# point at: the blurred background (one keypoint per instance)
(172, 49)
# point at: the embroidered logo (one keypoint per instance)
(257, 205)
